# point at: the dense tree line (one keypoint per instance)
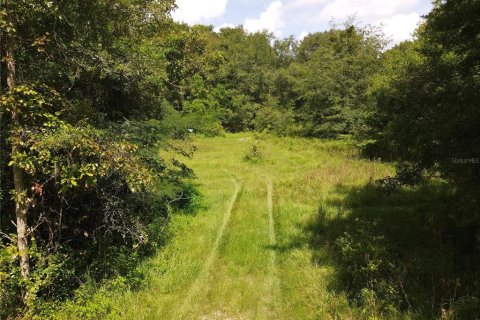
(425, 109)
(83, 116)
(315, 88)
(92, 89)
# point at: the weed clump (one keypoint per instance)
(370, 267)
(256, 153)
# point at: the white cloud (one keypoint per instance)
(195, 11)
(398, 17)
(304, 3)
(302, 35)
(366, 10)
(401, 27)
(225, 25)
(271, 19)
(299, 17)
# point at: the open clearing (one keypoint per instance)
(249, 253)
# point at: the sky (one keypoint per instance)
(398, 18)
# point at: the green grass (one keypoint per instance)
(243, 281)
(233, 260)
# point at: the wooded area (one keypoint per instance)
(95, 91)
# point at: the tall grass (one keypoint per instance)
(344, 249)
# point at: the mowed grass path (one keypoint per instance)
(247, 254)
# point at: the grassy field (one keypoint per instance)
(264, 243)
(247, 254)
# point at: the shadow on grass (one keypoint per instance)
(415, 250)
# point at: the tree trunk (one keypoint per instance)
(21, 213)
(18, 178)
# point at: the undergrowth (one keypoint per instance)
(413, 251)
(80, 282)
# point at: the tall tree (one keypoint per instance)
(70, 55)
(331, 78)
(20, 195)
(429, 103)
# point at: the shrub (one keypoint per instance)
(10, 284)
(408, 174)
(369, 267)
(274, 120)
(256, 153)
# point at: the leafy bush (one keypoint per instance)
(10, 283)
(274, 120)
(408, 174)
(256, 153)
(52, 277)
(370, 269)
(405, 251)
(204, 124)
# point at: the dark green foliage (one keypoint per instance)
(425, 116)
(90, 123)
(413, 250)
(331, 79)
(427, 98)
(407, 175)
(255, 82)
(369, 268)
(10, 284)
(275, 119)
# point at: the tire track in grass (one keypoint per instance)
(271, 221)
(197, 284)
(274, 281)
